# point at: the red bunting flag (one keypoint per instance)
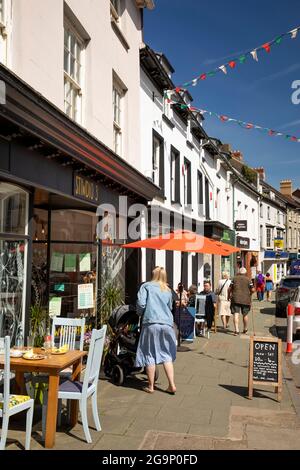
(224, 118)
(267, 47)
(294, 139)
(271, 132)
(203, 76)
(232, 64)
(249, 126)
(177, 89)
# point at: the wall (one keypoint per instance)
(37, 54)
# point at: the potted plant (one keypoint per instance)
(38, 324)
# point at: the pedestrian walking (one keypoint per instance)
(260, 286)
(210, 306)
(269, 286)
(223, 304)
(157, 343)
(240, 292)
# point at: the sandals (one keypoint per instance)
(170, 392)
(236, 333)
(148, 390)
(245, 332)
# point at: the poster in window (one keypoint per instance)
(85, 296)
(57, 260)
(55, 307)
(70, 263)
(84, 262)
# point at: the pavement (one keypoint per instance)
(209, 411)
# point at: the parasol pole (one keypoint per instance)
(180, 301)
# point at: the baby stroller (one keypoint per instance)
(119, 360)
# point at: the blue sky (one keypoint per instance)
(200, 35)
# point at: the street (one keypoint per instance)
(210, 409)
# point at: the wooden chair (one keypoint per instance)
(81, 391)
(13, 404)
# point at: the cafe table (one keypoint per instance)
(52, 365)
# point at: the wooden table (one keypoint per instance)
(51, 365)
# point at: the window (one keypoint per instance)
(246, 212)
(239, 205)
(115, 9)
(207, 199)
(158, 161)
(187, 183)
(13, 254)
(298, 238)
(200, 192)
(261, 210)
(73, 59)
(217, 204)
(175, 175)
(290, 237)
(269, 238)
(253, 224)
(295, 238)
(278, 217)
(269, 213)
(261, 235)
(2, 13)
(118, 95)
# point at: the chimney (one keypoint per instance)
(237, 155)
(261, 172)
(226, 148)
(286, 187)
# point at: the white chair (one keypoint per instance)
(81, 391)
(13, 404)
(67, 329)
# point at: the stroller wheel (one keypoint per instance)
(117, 375)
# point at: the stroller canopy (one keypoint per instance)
(122, 315)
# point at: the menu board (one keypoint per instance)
(265, 363)
(85, 296)
(185, 321)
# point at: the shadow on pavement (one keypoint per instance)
(223, 359)
(267, 311)
(243, 392)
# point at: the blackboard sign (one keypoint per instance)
(265, 363)
(187, 322)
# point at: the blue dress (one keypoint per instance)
(157, 343)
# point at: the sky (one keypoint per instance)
(199, 35)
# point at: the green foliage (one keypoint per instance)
(38, 324)
(249, 174)
(111, 296)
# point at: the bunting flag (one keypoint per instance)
(241, 59)
(223, 118)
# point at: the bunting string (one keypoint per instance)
(240, 60)
(224, 118)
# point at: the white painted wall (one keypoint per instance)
(36, 55)
(246, 208)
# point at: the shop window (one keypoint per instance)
(13, 250)
(73, 74)
(269, 238)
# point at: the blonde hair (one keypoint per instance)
(159, 275)
(225, 275)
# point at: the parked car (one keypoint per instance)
(295, 302)
(284, 293)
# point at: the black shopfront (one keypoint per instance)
(53, 177)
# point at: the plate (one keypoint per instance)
(57, 353)
(16, 353)
(34, 357)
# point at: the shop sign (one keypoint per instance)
(241, 225)
(86, 189)
(228, 237)
(243, 242)
(278, 243)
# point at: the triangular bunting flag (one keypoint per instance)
(242, 59)
(254, 55)
(203, 76)
(223, 68)
(267, 47)
(232, 64)
(294, 33)
(194, 82)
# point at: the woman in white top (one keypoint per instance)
(223, 302)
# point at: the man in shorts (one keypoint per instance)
(240, 293)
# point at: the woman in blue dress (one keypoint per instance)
(269, 286)
(157, 343)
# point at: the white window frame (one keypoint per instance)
(261, 210)
(75, 83)
(118, 124)
(115, 11)
(269, 213)
(173, 176)
(156, 160)
(269, 237)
